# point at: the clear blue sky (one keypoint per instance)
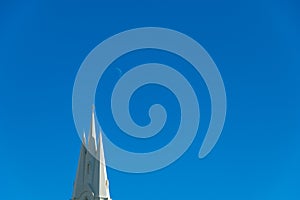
(255, 45)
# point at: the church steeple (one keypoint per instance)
(104, 189)
(92, 136)
(91, 181)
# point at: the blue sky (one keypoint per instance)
(255, 45)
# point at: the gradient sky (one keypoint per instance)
(255, 45)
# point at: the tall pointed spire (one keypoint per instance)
(92, 136)
(91, 181)
(103, 183)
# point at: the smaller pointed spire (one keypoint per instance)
(103, 183)
(99, 145)
(84, 138)
(100, 150)
(92, 136)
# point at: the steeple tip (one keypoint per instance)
(84, 138)
(92, 136)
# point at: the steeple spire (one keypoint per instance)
(104, 189)
(92, 136)
(91, 181)
(84, 138)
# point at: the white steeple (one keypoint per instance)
(84, 138)
(91, 181)
(104, 189)
(92, 136)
